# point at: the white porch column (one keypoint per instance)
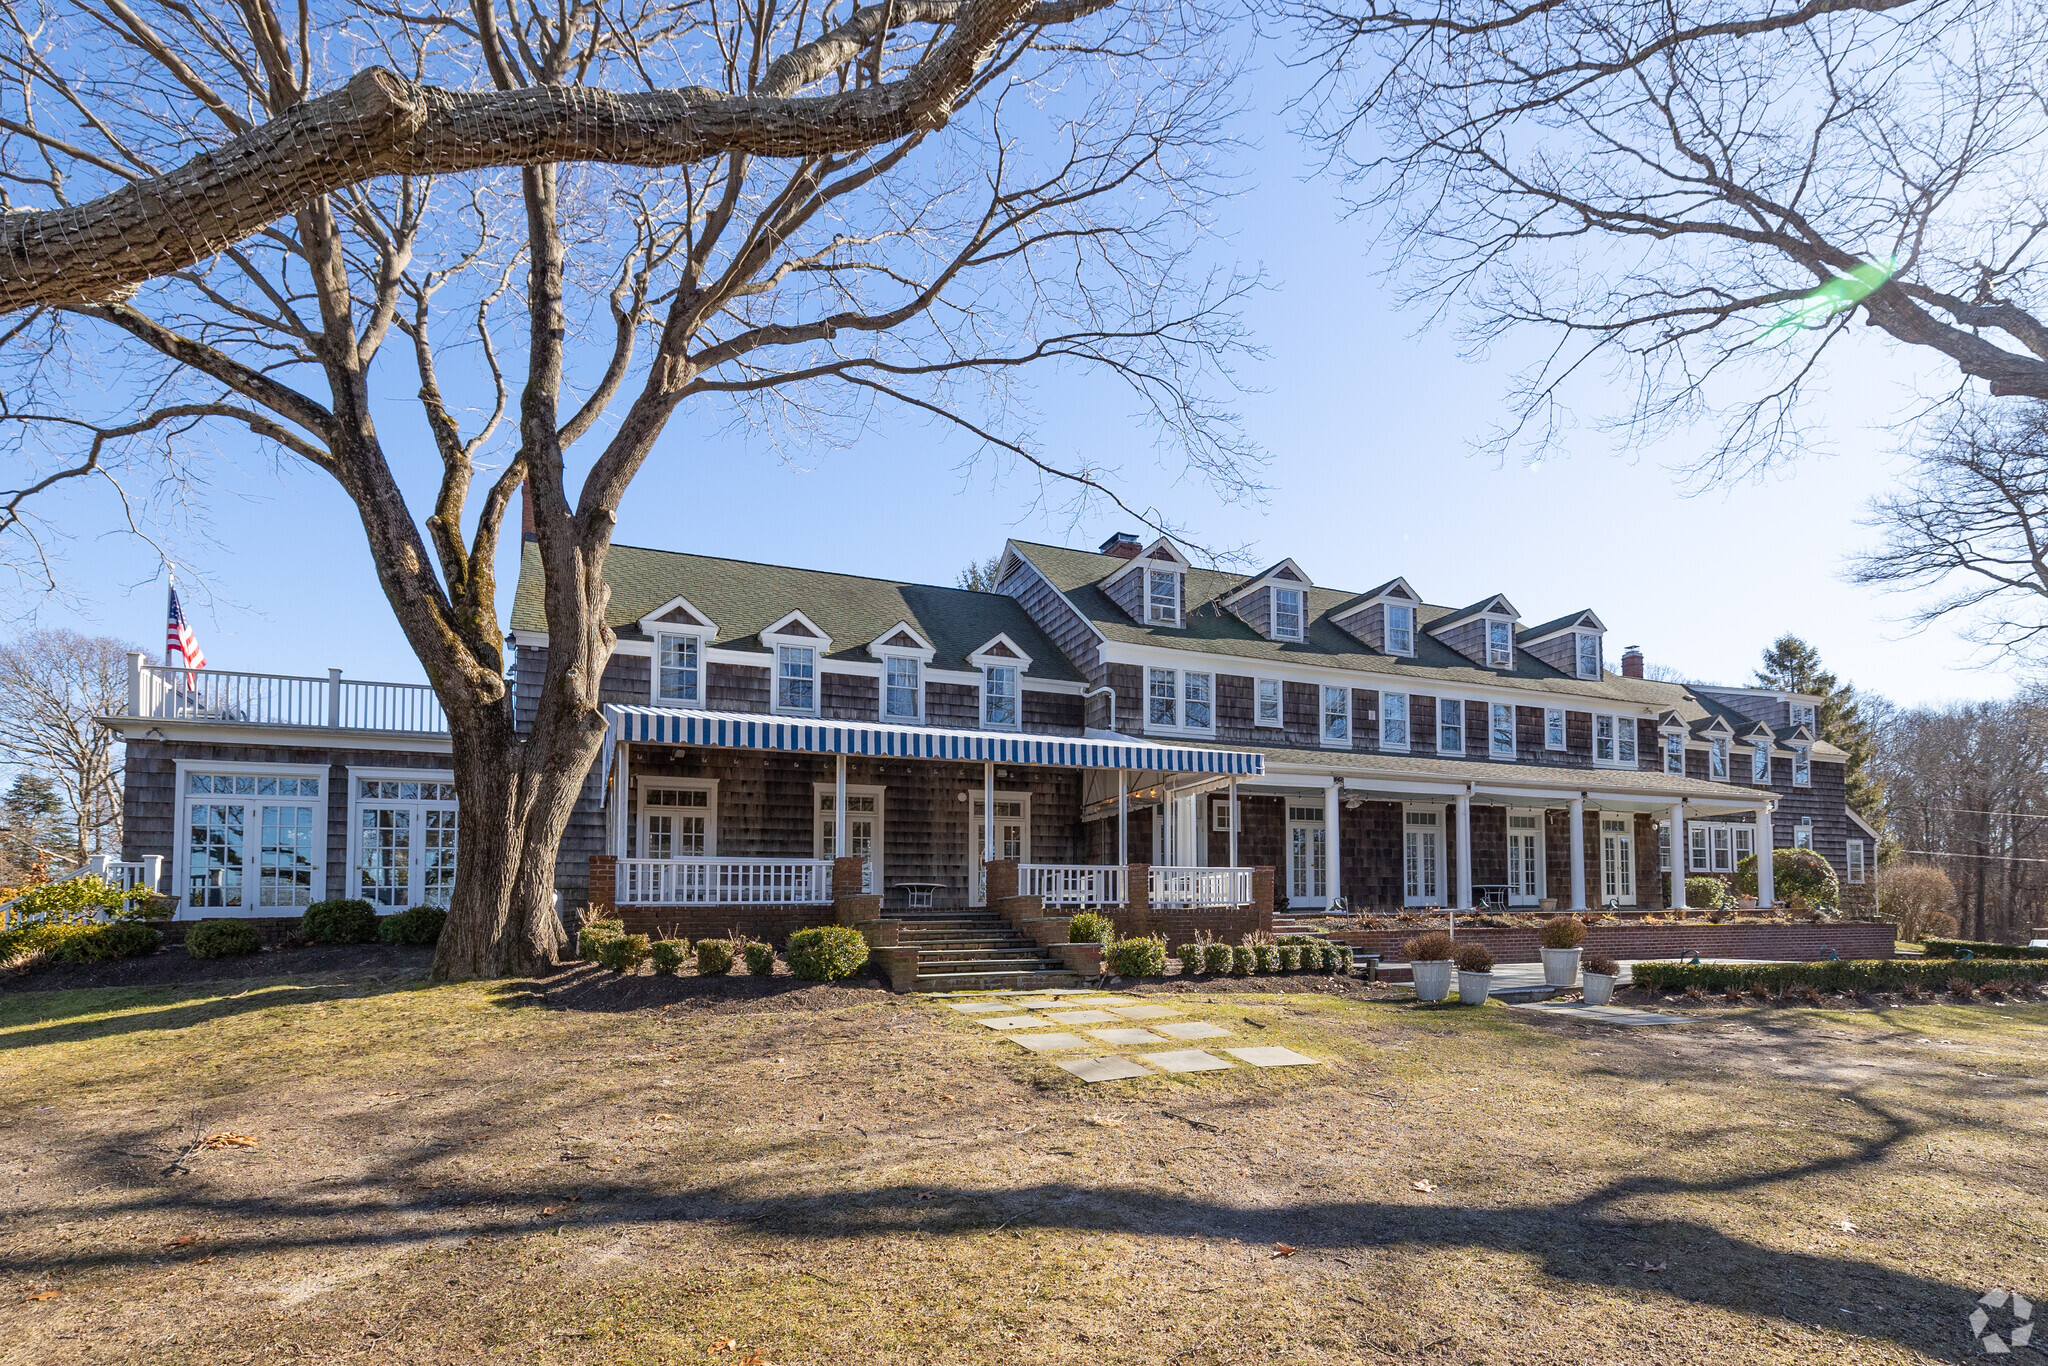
(1678, 856)
(1578, 810)
(1233, 822)
(988, 810)
(1333, 849)
(1123, 818)
(839, 810)
(135, 661)
(620, 789)
(1766, 886)
(1464, 892)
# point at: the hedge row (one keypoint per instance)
(75, 943)
(1956, 948)
(1847, 974)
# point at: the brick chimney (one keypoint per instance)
(527, 530)
(1632, 662)
(1123, 545)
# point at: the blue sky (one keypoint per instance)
(1369, 426)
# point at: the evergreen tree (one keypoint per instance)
(981, 575)
(1792, 665)
(31, 825)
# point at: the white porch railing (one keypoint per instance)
(1200, 888)
(162, 693)
(143, 872)
(1072, 885)
(724, 882)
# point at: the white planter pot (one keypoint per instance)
(1599, 988)
(1560, 968)
(1473, 987)
(1433, 980)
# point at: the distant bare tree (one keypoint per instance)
(1918, 898)
(980, 577)
(1702, 196)
(52, 683)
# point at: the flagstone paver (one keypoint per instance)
(1103, 1069)
(1186, 1060)
(1272, 1057)
(1094, 1001)
(1048, 1043)
(1016, 1022)
(1144, 1012)
(1194, 1029)
(980, 1007)
(1127, 1036)
(1084, 1017)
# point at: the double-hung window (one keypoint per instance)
(1760, 764)
(1162, 693)
(1393, 720)
(1180, 700)
(1802, 766)
(1854, 861)
(1197, 708)
(999, 697)
(1717, 760)
(1503, 734)
(1603, 739)
(1162, 597)
(1802, 835)
(677, 678)
(796, 678)
(1287, 604)
(1674, 755)
(1625, 740)
(1614, 740)
(1802, 714)
(1450, 726)
(1589, 655)
(1500, 645)
(1553, 728)
(902, 688)
(1267, 710)
(1400, 630)
(1337, 716)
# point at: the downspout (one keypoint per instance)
(1106, 691)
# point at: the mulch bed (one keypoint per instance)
(172, 966)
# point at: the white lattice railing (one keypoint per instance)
(1073, 885)
(724, 882)
(1200, 888)
(162, 693)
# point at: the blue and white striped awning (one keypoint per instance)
(877, 740)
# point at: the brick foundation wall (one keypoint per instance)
(772, 923)
(1177, 927)
(1794, 943)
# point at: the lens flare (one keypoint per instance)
(1835, 297)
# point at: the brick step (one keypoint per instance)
(928, 936)
(995, 981)
(950, 952)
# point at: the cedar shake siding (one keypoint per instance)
(1128, 593)
(1468, 638)
(1368, 626)
(1052, 713)
(1255, 610)
(1055, 617)
(849, 697)
(1560, 652)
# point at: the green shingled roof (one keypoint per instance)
(745, 598)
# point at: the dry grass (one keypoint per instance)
(466, 1174)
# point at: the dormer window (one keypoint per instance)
(1500, 645)
(902, 688)
(1802, 766)
(1760, 764)
(1802, 715)
(1674, 755)
(1162, 597)
(1287, 607)
(1589, 655)
(999, 697)
(796, 679)
(1400, 629)
(1717, 759)
(677, 677)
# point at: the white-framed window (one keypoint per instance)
(1802, 766)
(1198, 701)
(1337, 715)
(1500, 644)
(796, 679)
(402, 838)
(1393, 720)
(1450, 726)
(678, 675)
(999, 702)
(254, 839)
(1717, 759)
(1162, 597)
(902, 688)
(1674, 755)
(1801, 714)
(1717, 848)
(1162, 697)
(1745, 842)
(1663, 846)
(1287, 613)
(1553, 728)
(1400, 629)
(1760, 764)
(1219, 815)
(1266, 708)
(1588, 643)
(677, 819)
(1501, 739)
(1853, 861)
(1802, 834)
(1177, 699)
(1614, 740)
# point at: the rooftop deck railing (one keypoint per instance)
(160, 692)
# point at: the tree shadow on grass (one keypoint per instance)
(64, 1016)
(586, 987)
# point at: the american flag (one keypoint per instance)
(178, 637)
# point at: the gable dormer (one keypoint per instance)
(904, 654)
(1574, 644)
(681, 634)
(902, 639)
(1003, 666)
(1384, 619)
(1484, 632)
(1275, 603)
(796, 645)
(1719, 738)
(1757, 738)
(1152, 588)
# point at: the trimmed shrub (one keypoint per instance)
(668, 956)
(1796, 875)
(1267, 957)
(1346, 957)
(714, 957)
(1138, 957)
(1090, 928)
(1243, 961)
(222, 939)
(1191, 959)
(1838, 975)
(1956, 948)
(104, 943)
(74, 901)
(1705, 893)
(624, 953)
(1290, 958)
(1600, 963)
(1474, 958)
(1326, 958)
(1434, 947)
(592, 937)
(826, 953)
(420, 925)
(760, 958)
(1218, 958)
(341, 921)
(1565, 932)
(31, 940)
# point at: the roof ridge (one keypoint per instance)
(804, 569)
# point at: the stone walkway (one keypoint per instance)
(1071, 1022)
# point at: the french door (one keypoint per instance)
(1013, 828)
(1525, 858)
(1422, 858)
(863, 831)
(1617, 861)
(1308, 857)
